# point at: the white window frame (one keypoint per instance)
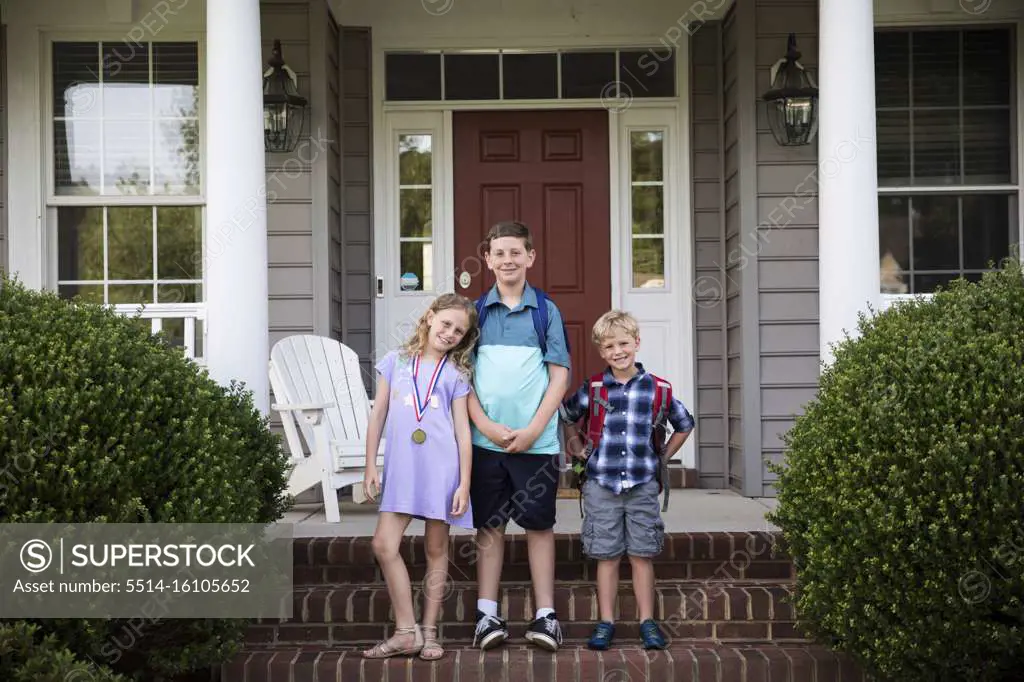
(194, 314)
(1016, 106)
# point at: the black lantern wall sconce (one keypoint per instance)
(792, 101)
(284, 110)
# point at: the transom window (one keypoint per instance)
(947, 160)
(125, 187)
(518, 75)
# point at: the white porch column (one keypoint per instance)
(847, 168)
(236, 240)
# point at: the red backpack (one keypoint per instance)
(595, 427)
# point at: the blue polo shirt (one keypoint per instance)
(510, 376)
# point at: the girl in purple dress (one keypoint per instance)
(420, 410)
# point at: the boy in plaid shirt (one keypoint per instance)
(620, 495)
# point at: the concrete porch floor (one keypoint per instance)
(689, 510)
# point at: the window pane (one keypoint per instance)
(650, 73)
(648, 211)
(987, 149)
(414, 160)
(894, 243)
(130, 293)
(892, 69)
(76, 77)
(936, 68)
(176, 79)
(987, 55)
(893, 130)
(416, 261)
(471, 76)
(530, 76)
(927, 283)
(646, 148)
(130, 242)
(936, 147)
(79, 243)
(179, 293)
(76, 157)
(648, 263)
(173, 329)
(936, 233)
(87, 293)
(987, 233)
(126, 92)
(412, 76)
(126, 153)
(587, 74)
(415, 209)
(176, 157)
(179, 242)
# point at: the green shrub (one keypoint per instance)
(902, 493)
(102, 422)
(26, 655)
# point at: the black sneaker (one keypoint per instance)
(545, 632)
(490, 631)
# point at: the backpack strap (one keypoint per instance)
(595, 425)
(540, 320)
(662, 404)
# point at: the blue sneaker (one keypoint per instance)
(602, 636)
(651, 635)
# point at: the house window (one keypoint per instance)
(415, 211)
(125, 179)
(647, 205)
(947, 165)
(525, 74)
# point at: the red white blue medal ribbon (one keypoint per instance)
(421, 408)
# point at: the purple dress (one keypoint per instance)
(421, 479)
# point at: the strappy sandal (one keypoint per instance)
(430, 644)
(387, 649)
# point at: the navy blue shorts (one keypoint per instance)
(520, 487)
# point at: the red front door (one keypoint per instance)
(548, 169)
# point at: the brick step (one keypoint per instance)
(705, 553)
(625, 662)
(703, 571)
(348, 634)
(685, 601)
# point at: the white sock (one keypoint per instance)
(487, 606)
(543, 612)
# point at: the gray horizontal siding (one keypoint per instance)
(354, 251)
(708, 220)
(787, 218)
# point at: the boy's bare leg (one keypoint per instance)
(541, 547)
(607, 587)
(643, 586)
(490, 547)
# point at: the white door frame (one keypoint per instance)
(670, 114)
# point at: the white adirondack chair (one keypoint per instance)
(320, 393)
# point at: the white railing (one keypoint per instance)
(184, 324)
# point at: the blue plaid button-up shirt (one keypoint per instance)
(625, 456)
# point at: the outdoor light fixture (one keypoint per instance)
(792, 101)
(284, 110)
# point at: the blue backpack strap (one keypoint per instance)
(481, 313)
(540, 322)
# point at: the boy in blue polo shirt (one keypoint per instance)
(519, 379)
(621, 488)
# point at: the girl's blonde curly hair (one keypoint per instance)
(461, 355)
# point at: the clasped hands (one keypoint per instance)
(512, 440)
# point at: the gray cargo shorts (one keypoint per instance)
(628, 523)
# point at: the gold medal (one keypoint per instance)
(419, 436)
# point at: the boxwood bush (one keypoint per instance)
(28, 655)
(901, 498)
(100, 421)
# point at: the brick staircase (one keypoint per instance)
(723, 600)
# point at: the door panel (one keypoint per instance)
(548, 169)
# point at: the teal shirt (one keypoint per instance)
(510, 376)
